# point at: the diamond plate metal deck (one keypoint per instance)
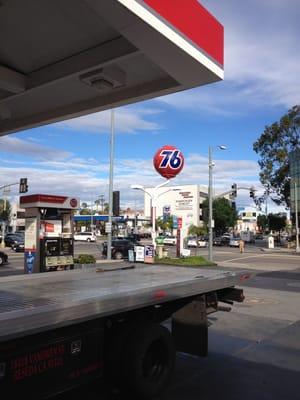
(35, 303)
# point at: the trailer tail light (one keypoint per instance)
(244, 277)
(159, 294)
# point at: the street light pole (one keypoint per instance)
(210, 200)
(153, 197)
(210, 205)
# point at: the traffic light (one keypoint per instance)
(116, 203)
(252, 192)
(23, 188)
(234, 190)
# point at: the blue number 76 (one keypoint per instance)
(171, 157)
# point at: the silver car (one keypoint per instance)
(234, 242)
(170, 240)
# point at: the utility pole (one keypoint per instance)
(111, 184)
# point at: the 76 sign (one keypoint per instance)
(168, 161)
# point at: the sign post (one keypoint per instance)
(178, 241)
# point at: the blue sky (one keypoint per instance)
(262, 59)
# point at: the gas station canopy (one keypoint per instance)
(61, 59)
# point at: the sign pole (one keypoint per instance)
(178, 242)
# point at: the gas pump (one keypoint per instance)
(49, 242)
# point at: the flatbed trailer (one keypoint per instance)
(60, 329)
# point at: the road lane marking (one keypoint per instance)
(259, 256)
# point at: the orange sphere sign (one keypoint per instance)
(168, 161)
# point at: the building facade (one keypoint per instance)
(183, 201)
(247, 220)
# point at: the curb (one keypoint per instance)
(275, 251)
(105, 261)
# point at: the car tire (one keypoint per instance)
(1, 260)
(88, 239)
(118, 255)
(148, 361)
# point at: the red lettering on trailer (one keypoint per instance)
(36, 363)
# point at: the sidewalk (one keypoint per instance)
(279, 250)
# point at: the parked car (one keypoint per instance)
(145, 235)
(11, 239)
(85, 236)
(119, 248)
(234, 242)
(203, 241)
(3, 258)
(19, 247)
(221, 241)
(170, 240)
(259, 236)
(133, 237)
(192, 241)
(226, 239)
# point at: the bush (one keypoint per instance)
(197, 230)
(85, 259)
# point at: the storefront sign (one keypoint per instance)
(149, 254)
(51, 228)
(139, 253)
(30, 233)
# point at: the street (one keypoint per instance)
(254, 350)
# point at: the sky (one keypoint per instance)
(262, 59)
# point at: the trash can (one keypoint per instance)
(160, 251)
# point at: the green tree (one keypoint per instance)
(85, 211)
(224, 215)
(197, 230)
(273, 147)
(5, 210)
(105, 208)
(165, 224)
(262, 222)
(277, 222)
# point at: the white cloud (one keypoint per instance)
(127, 120)
(14, 145)
(87, 179)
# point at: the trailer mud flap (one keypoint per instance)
(190, 329)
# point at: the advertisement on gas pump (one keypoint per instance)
(51, 228)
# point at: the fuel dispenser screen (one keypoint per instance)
(51, 247)
(67, 246)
